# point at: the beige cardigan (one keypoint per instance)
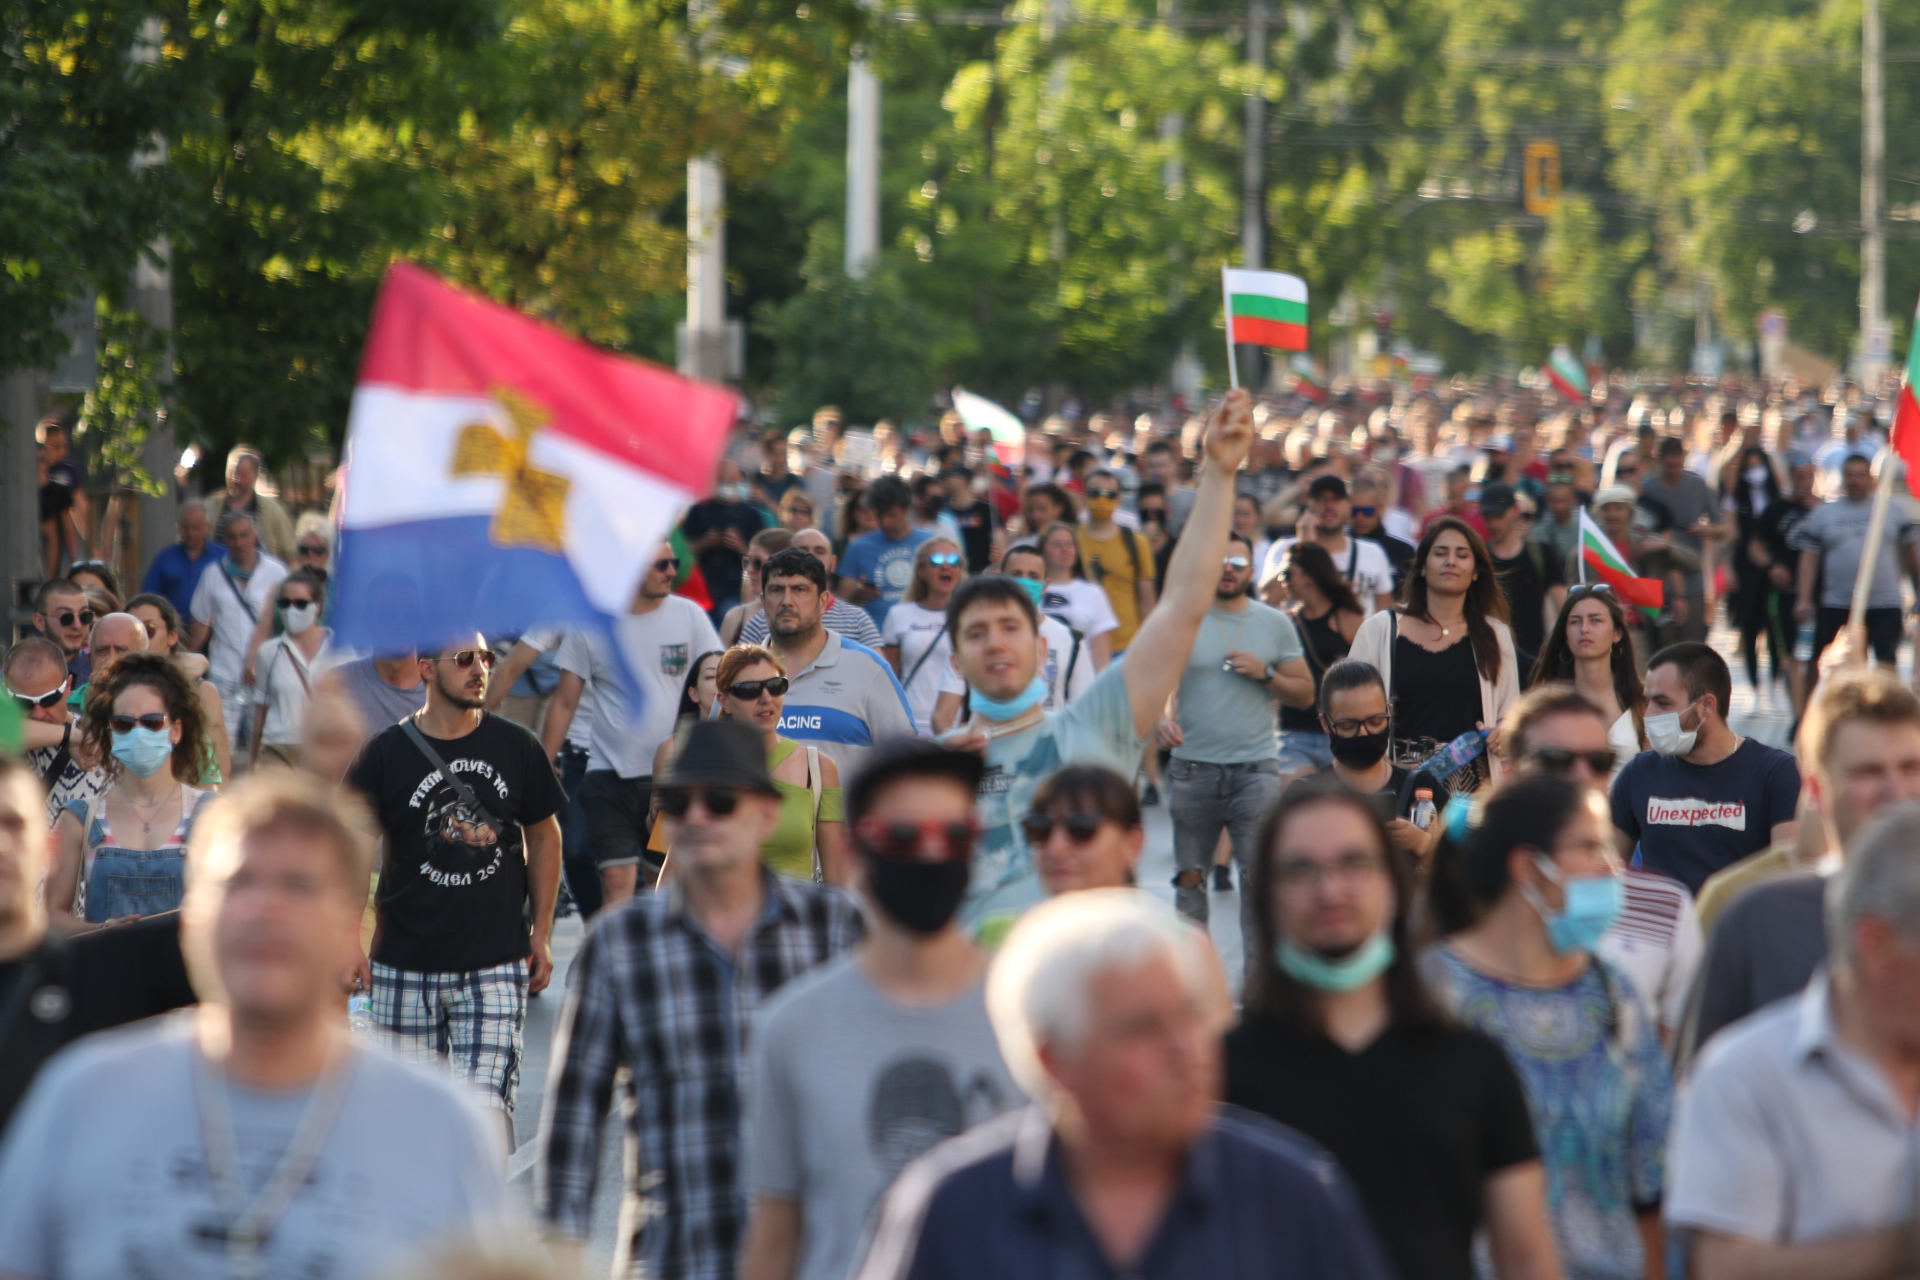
(1374, 643)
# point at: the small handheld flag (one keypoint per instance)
(982, 414)
(1567, 374)
(1906, 413)
(1264, 309)
(1603, 559)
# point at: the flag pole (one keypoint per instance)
(1870, 552)
(1226, 299)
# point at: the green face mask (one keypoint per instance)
(1035, 590)
(1368, 961)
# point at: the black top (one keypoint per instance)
(720, 565)
(1399, 553)
(1526, 579)
(1418, 1119)
(453, 887)
(1435, 695)
(1397, 797)
(68, 987)
(976, 533)
(1324, 646)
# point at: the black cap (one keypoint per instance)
(1496, 499)
(1327, 484)
(720, 753)
(911, 758)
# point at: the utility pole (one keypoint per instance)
(1874, 338)
(703, 345)
(1253, 172)
(863, 167)
(152, 298)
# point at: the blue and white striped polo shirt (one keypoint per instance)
(848, 701)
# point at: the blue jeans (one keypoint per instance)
(576, 850)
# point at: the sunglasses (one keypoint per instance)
(155, 720)
(1237, 563)
(719, 801)
(1558, 760)
(756, 563)
(1364, 512)
(67, 617)
(1588, 589)
(749, 690)
(312, 549)
(944, 559)
(1080, 827)
(466, 658)
(898, 840)
(45, 701)
(1103, 493)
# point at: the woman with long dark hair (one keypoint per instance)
(1524, 884)
(1446, 654)
(1327, 614)
(1763, 564)
(1591, 649)
(1341, 1039)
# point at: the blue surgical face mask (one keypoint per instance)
(1035, 590)
(145, 751)
(1014, 707)
(1349, 973)
(1593, 904)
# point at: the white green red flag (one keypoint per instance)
(1306, 383)
(1600, 558)
(1567, 374)
(1906, 413)
(1265, 309)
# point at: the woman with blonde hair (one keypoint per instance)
(914, 639)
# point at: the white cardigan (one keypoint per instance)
(1373, 643)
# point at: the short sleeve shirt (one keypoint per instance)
(920, 634)
(885, 564)
(659, 646)
(1838, 531)
(218, 602)
(847, 702)
(1363, 564)
(1225, 717)
(1082, 606)
(1117, 565)
(453, 886)
(1692, 820)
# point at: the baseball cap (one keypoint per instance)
(1327, 484)
(1496, 499)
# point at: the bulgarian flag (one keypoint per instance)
(1906, 414)
(1305, 384)
(1598, 554)
(1567, 374)
(1265, 309)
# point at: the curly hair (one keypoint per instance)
(161, 674)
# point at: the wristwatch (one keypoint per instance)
(1272, 671)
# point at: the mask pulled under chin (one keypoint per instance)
(920, 896)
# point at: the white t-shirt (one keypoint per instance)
(1083, 605)
(920, 634)
(1363, 564)
(285, 679)
(659, 647)
(1657, 943)
(1069, 670)
(216, 602)
(580, 728)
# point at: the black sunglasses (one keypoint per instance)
(152, 720)
(313, 549)
(720, 801)
(66, 617)
(1080, 827)
(670, 564)
(1103, 493)
(465, 658)
(46, 700)
(749, 690)
(1558, 760)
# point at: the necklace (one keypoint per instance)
(250, 1222)
(146, 816)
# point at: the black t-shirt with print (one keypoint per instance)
(453, 887)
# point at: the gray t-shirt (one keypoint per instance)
(848, 1087)
(1686, 501)
(104, 1172)
(1763, 948)
(381, 705)
(659, 645)
(1225, 717)
(1838, 531)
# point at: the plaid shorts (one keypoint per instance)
(470, 1022)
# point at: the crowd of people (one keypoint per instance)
(1546, 969)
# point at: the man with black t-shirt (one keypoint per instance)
(1528, 572)
(1358, 721)
(453, 959)
(973, 514)
(1367, 508)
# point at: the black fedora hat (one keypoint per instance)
(720, 753)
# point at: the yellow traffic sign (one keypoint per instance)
(1540, 183)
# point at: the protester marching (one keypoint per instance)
(1322, 832)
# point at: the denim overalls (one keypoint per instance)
(133, 882)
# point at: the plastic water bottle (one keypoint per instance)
(360, 1014)
(1803, 642)
(1422, 808)
(1456, 755)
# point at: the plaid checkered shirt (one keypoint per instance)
(655, 994)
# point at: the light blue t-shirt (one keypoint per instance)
(104, 1173)
(885, 563)
(1225, 717)
(1095, 728)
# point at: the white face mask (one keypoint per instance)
(1665, 735)
(299, 617)
(1756, 475)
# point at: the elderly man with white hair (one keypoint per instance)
(1793, 1148)
(1109, 1011)
(226, 605)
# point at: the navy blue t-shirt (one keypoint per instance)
(1692, 820)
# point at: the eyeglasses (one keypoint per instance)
(313, 548)
(45, 701)
(155, 720)
(466, 657)
(1080, 827)
(749, 690)
(1588, 589)
(1305, 873)
(670, 564)
(898, 840)
(944, 559)
(1103, 493)
(1236, 563)
(1559, 760)
(67, 617)
(1354, 728)
(719, 801)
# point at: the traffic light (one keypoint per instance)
(1540, 182)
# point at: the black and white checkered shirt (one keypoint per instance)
(655, 994)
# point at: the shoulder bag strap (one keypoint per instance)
(58, 765)
(253, 615)
(460, 788)
(815, 785)
(924, 655)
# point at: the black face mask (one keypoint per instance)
(1362, 751)
(921, 896)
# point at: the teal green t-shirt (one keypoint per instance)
(1225, 717)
